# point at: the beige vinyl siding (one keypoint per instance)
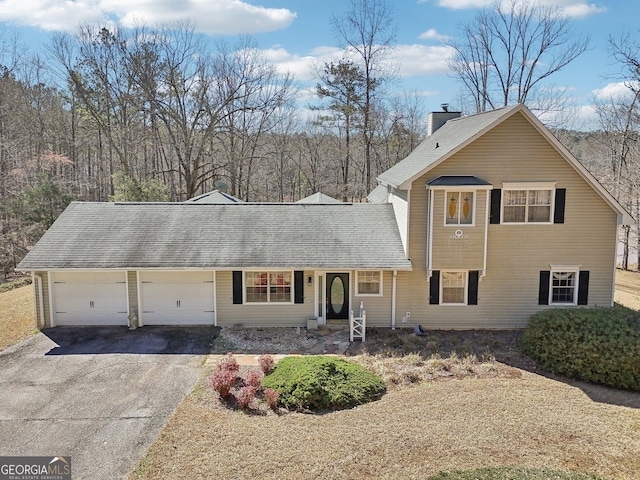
(398, 199)
(378, 308)
(458, 253)
(132, 292)
(513, 152)
(261, 315)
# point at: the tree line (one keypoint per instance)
(158, 113)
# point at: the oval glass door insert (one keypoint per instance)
(337, 294)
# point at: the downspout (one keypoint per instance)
(393, 300)
(40, 295)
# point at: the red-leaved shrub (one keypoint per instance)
(266, 363)
(222, 381)
(272, 397)
(245, 396)
(253, 377)
(228, 362)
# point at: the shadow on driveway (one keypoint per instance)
(144, 340)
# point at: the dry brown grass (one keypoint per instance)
(462, 410)
(628, 289)
(16, 316)
(411, 432)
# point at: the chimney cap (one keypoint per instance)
(445, 107)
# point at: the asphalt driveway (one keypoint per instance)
(98, 394)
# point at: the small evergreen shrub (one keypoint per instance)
(512, 473)
(321, 382)
(599, 345)
(266, 363)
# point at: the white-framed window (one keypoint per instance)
(268, 287)
(459, 208)
(527, 203)
(453, 288)
(369, 283)
(563, 286)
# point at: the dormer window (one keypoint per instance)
(459, 208)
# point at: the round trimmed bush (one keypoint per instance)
(599, 345)
(321, 382)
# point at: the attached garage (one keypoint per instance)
(89, 298)
(176, 298)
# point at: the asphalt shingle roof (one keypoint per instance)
(444, 141)
(220, 236)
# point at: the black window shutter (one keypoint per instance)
(543, 294)
(472, 292)
(558, 212)
(496, 198)
(583, 287)
(237, 287)
(298, 286)
(434, 288)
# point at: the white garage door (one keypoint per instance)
(90, 298)
(177, 298)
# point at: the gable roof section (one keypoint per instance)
(378, 195)
(215, 196)
(456, 134)
(319, 198)
(220, 236)
(447, 140)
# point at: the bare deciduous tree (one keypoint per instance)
(508, 52)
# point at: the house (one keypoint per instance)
(489, 220)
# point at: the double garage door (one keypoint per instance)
(100, 298)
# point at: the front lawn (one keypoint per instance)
(16, 315)
(411, 432)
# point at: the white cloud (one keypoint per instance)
(413, 60)
(302, 67)
(432, 34)
(422, 59)
(570, 8)
(614, 91)
(209, 16)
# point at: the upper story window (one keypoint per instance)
(527, 203)
(268, 287)
(459, 208)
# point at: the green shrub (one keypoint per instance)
(599, 345)
(318, 382)
(21, 282)
(506, 473)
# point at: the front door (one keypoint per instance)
(337, 296)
